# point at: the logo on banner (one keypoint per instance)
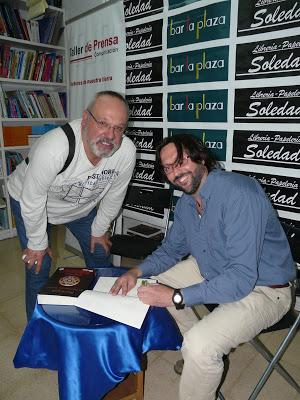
(145, 173)
(266, 16)
(206, 65)
(93, 48)
(145, 139)
(199, 25)
(282, 191)
(206, 106)
(270, 104)
(214, 140)
(144, 38)
(146, 107)
(137, 8)
(145, 73)
(269, 58)
(279, 149)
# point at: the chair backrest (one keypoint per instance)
(292, 232)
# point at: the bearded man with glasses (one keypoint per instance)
(86, 196)
(238, 258)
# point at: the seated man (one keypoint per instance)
(240, 260)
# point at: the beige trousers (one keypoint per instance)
(228, 326)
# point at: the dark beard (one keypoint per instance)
(196, 180)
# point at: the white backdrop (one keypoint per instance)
(96, 49)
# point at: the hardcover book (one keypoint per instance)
(65, 285)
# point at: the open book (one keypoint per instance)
(126, 309)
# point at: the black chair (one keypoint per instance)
(142, 204)
(290, 321)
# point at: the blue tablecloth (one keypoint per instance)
(91, 353)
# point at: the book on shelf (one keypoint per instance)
(3, 219)
(65, 285)
(144, 230)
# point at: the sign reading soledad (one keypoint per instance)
(144, 38)
(146, 140)
(145, 72)
(268, 58)
(145, 173)
(214, 140)
(279, 104)
(267, 15)
(145, 107)
(141, 8)
(206, 65)
(200, 25)
(283, 191)
(201, 106)
(278, 149)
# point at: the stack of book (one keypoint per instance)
(13, 23)
(32, 65)
(12, 158)
(32, 104)
(3, 214)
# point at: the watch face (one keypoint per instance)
(177, 298)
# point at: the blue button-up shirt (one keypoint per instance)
(238, 242)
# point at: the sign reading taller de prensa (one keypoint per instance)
(280, 104)
(200, 106)
(268, 58)
(145, 173)
(200, 25)
(145, 107)
(278, 149)
(260, 16)
(144, 73)
(146, 140)
(134, 9)
(283, 191)
(144, 38)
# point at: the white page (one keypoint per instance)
(105, 283)
(126, 309)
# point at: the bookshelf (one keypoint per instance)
(34, 86)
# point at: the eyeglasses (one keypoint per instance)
(102, 125)
(168, 169)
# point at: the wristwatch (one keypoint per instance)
(177, 299)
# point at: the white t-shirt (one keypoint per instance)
(46, 196)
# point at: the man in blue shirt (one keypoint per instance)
(240, 259)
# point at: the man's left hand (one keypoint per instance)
(156, 295)
(102, 240)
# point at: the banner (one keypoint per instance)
(267, 16)
(278, 149)
(283, 191)
(202, 106)
(145, 173)
(97, 51)
(146, 140)
(267, 104)
(214, 140)
(268, 58)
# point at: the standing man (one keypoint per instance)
(86, 197)
(241, 260)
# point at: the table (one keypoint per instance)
(91, 353)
